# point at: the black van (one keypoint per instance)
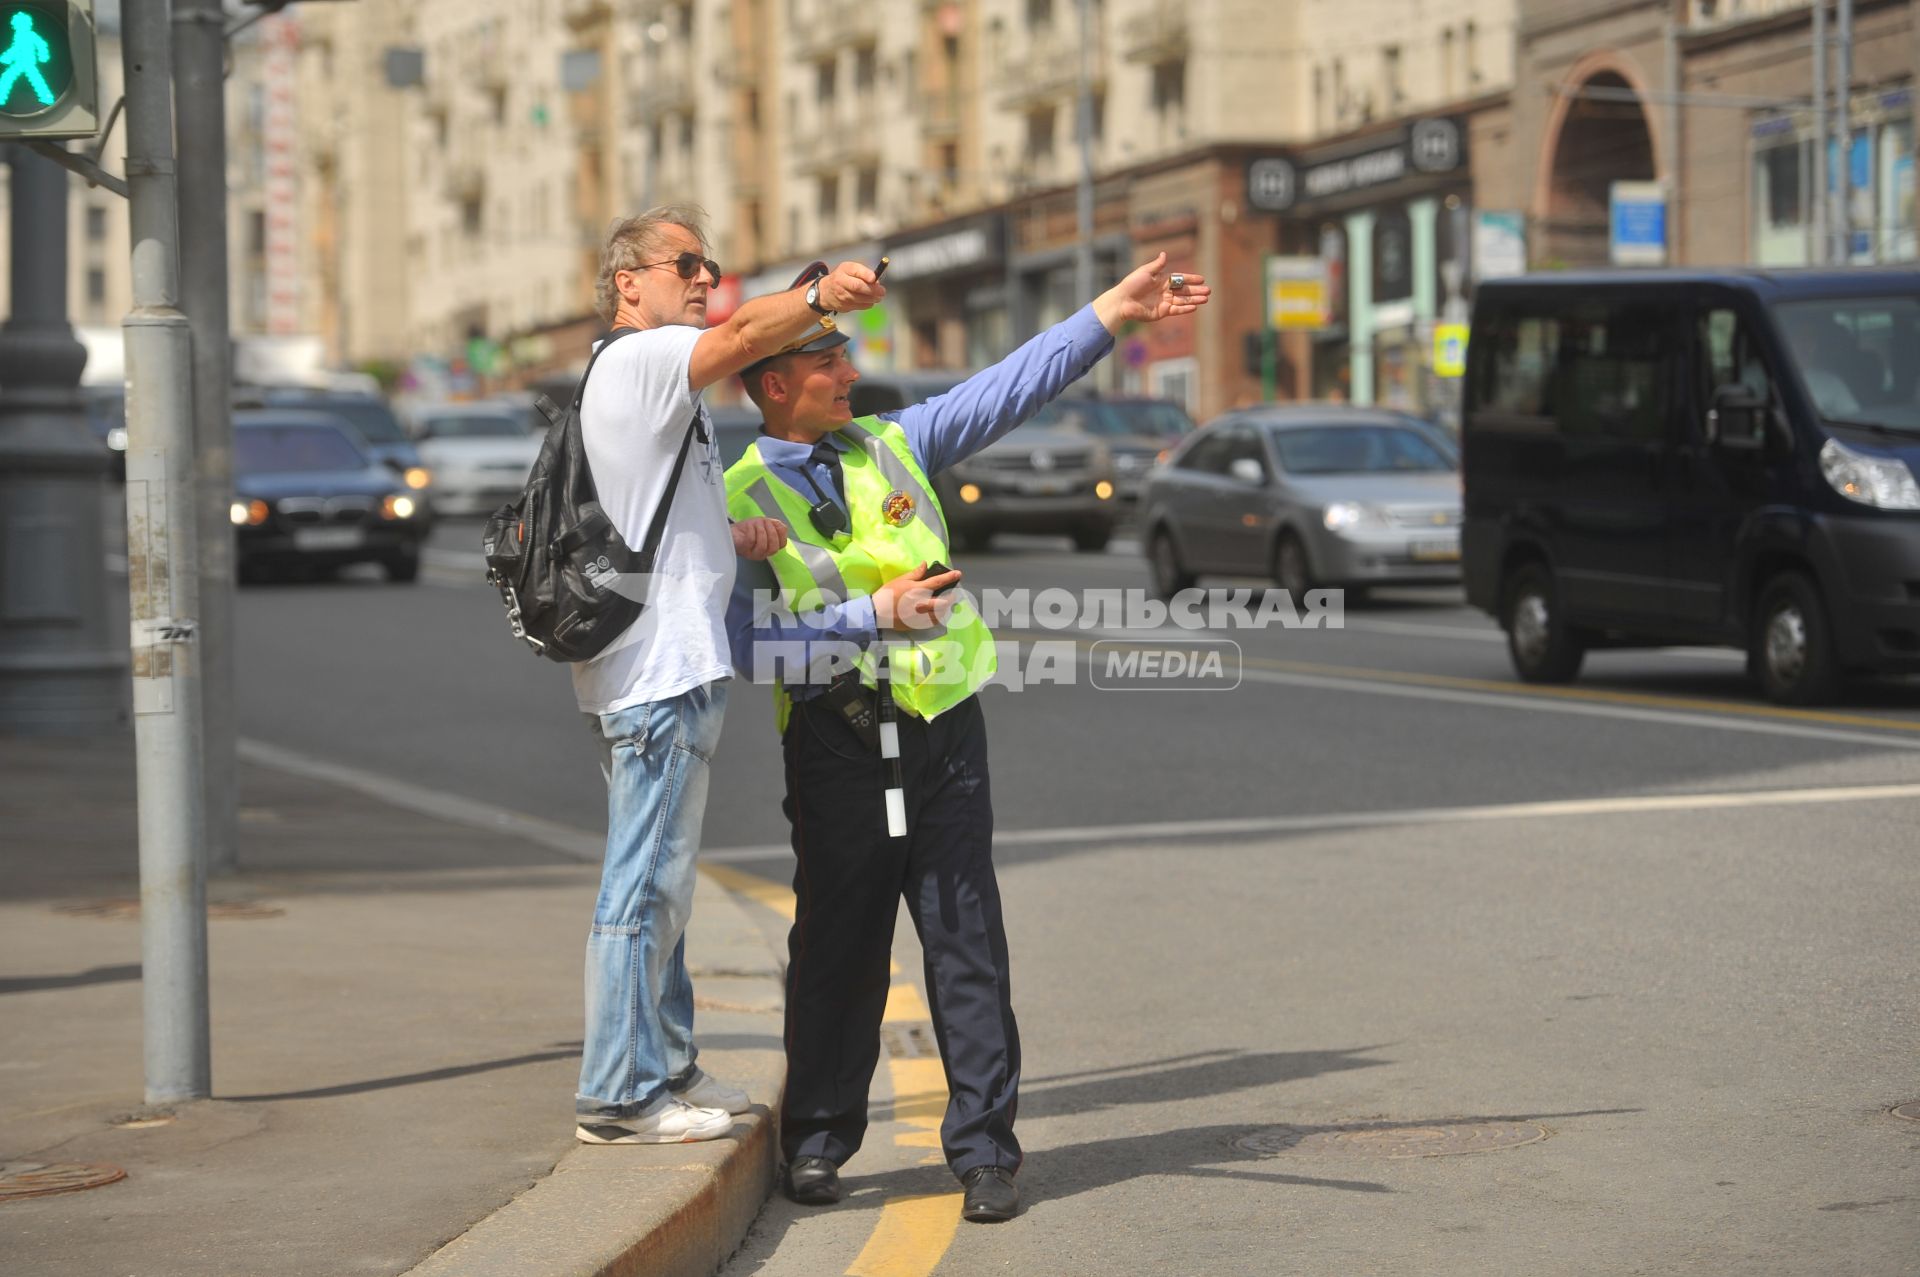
(1718, 457)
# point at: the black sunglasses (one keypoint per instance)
(688, 265)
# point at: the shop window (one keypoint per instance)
(1783, 198)
(1896, 187)
(1392, 256)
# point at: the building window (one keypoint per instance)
(1446, 63)
(863, 69)
(866, 195)
(1039, 13)
(1170, 87)
(96, 225)
(96, 287)
(829, 201)
(1472, 54)
(823, 81)
(1040, 132)
(1390, 90)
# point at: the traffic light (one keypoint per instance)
(49, 70)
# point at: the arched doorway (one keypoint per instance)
(1600, 140)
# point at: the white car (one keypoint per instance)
(479, 454)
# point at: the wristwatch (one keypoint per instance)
(813, 298)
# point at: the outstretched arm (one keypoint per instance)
(952, 427)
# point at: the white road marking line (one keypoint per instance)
(456, 809)
(1494, 635)
(581, 845)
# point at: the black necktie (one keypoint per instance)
(825, 454)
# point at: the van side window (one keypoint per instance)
(1729, 355)
(1514, 381)
(1611, 378)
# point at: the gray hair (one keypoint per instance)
(633, 240)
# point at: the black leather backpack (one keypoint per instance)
(570, 583)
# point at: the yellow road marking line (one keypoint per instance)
(911, 1238)
(762, 891)
(912, 1234)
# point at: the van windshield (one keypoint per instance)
(1859, 357)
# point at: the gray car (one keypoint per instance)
(1309, 495)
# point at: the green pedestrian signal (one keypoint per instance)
(49, 82)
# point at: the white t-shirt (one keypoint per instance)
(635, 413)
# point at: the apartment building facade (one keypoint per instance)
(1712, 99)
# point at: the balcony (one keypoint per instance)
(819, 29)
(836, 139)
(585, 15)
(1157, 35)
(663, 90)
(1049, 70)
(940, 115)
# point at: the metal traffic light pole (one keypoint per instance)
(199, 69)
(163, 581)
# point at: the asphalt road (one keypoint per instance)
(1306, 911)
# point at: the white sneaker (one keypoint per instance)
(674, 1122)
(709, 1092)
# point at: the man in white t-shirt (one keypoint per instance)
(657, 695)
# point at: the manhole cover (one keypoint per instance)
(39, 1179)
(129, 907)
(1910, 1111)
(1441, 1139)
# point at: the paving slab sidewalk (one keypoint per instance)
(396, 1012)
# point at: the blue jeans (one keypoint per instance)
(639, 1037)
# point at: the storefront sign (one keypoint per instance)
(1277, 184)
(966, 248)
(1638, 221)
(1296, 293)
(1499, 244)
(1449, 350)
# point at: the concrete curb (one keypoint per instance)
(674, 1210)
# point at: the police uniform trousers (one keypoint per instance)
(848, 880)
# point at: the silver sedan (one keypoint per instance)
(1314, 495)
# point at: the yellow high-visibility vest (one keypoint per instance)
(897, 526)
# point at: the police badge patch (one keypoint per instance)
(898, 509)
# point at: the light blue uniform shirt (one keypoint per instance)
(943, 430)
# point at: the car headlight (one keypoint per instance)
(397, 507)
(249, 514)
(418, 477)
(1344, 516)
(1885, 483)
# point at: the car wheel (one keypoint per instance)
(1093, 538)
(1792, 644)
(1291, 570)
(403, 567)
(1163, 557)
(1544, 648)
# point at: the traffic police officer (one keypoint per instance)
(863, 527)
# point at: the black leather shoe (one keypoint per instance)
(991, 1196)
(813, 1181)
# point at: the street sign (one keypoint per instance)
(1449, 350)
(49, 78)
(1296, 293)
(1638, 223)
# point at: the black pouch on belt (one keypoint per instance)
(855, 704)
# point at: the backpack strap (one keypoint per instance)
(640, 560)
